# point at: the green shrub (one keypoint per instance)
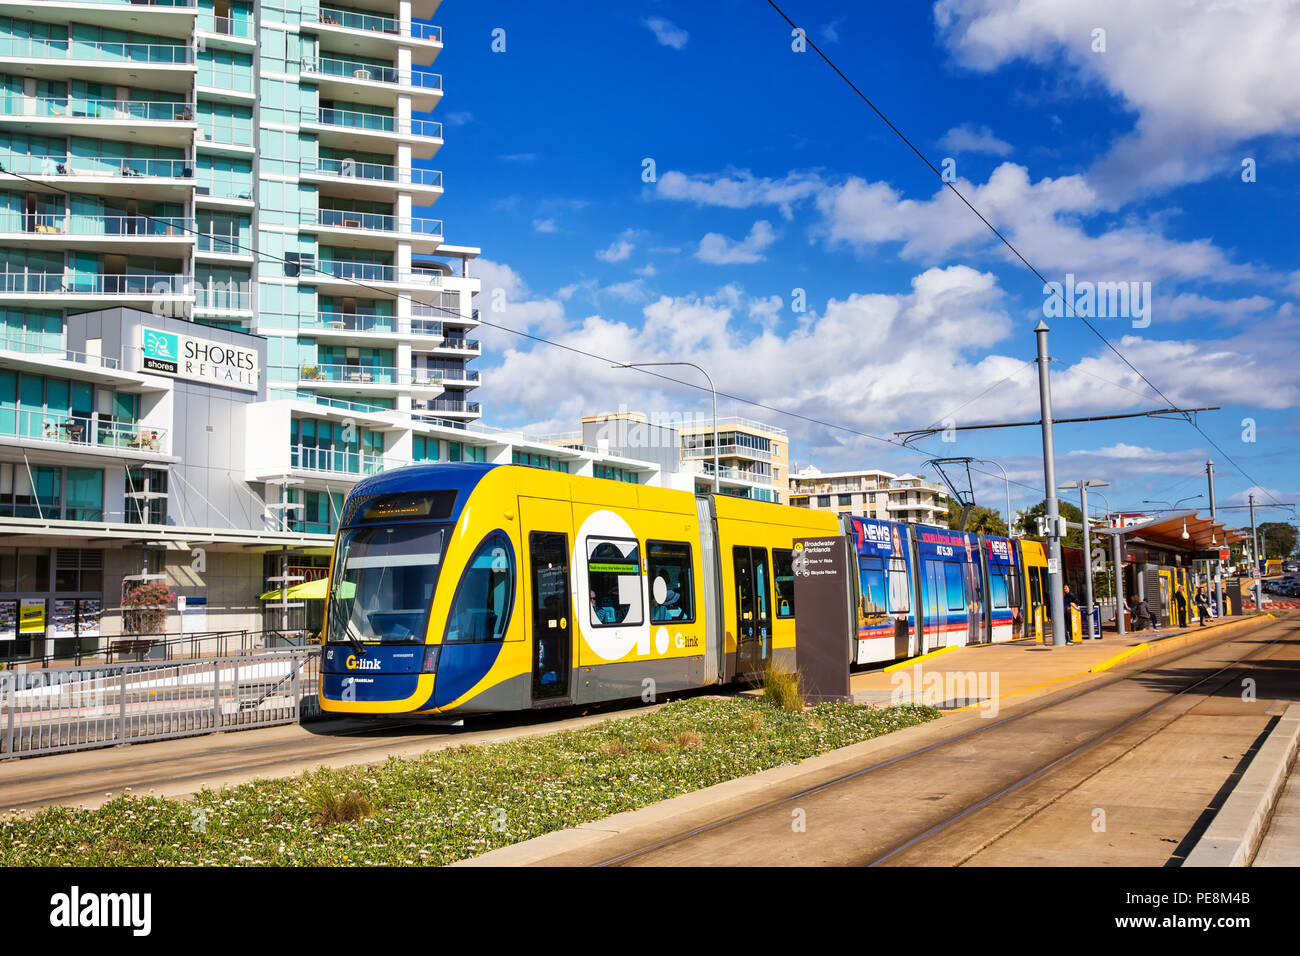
(783, 690)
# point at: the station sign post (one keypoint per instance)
(825, 623)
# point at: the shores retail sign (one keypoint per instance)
(199, 360)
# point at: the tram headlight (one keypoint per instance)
(430, 665)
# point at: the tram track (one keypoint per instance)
(885, 783)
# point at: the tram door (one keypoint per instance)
(753, 621)
(551, 614)
(935, 600)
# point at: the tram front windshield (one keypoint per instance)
(384, 578)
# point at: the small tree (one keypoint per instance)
(144, 607)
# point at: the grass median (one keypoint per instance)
(450, 804)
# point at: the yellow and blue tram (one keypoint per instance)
(473, 588)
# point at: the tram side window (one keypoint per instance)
(956, 590)
(871, 574)
(783, 565)
(900, 595)
(999, 591)
(614, 576)
(481, 610)
(672, 591)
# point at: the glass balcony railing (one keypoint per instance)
(90, 283)
(452, 375)
(51, 347)
(69, 224)
(339, 461)
(240, 27)
(459, 344)
(451, 405)
(363, 375)
(372, 23)
(51, 107)
(375, 172)
(370, 72)
(349, 322)
(64, 165)
(218, 297)
(348, 219)
(154, 54)
(373, 122)
(47, 425)
(371, 272)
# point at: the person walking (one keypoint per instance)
(1202, 605)
(1069, 601)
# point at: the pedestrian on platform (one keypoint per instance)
(1202, 605)
(1140, 611)
(1069, 601)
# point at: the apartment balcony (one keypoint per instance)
(359, 82)
(727, 473)
(352, 329)
(39, 355)
(341, 276)
(451, 406)
(155, 66)
(218, 301)
(372, 132)
(57, 289)
(166, 18)
(42, 428)
(160, 123)
(366, 34)
(227, 33)
(452, 345)
(349, 179)
(457, 378)
(366, 380)
(725, 451)
(343, 463)
(136, 235)
(365, 230)
(170, 179)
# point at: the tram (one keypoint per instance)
(472, 588)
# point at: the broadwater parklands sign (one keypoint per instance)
(198, 359)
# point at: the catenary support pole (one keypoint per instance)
(1054, 568)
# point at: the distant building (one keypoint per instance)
(870, 494)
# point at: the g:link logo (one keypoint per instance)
(353, 663)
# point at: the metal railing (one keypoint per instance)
(377, 222)
(221, 299)
(63, 165)
(40, 344)
(65, 107)
(460, 345)
(77, 224)
(450, 405)
(62, 709)
(373, 23)
(42, 424)
(371, 272)
(363, 375)
(374, 172)
(370, 72)
(158, 54)
(697, 450)
(89, 283)
(340, 462)
(452, 375)
(350, 322)
(376, 122)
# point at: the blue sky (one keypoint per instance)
(1117, 165)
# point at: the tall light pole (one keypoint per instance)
(1054, 569)
(1114, 577)
(1214, 515)
(1083, 487)
(1254, 557)
(717, 475)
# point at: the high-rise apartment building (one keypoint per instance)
(870, 494)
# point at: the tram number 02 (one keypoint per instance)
(943, 550)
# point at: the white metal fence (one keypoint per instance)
(58, 709)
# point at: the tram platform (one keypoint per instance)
(981, 675)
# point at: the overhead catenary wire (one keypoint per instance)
(1003, 239)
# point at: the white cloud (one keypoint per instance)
(545, 225)
(968, 138)
(1192, 305)
(740, 189)
(618, 251)
(648, 270)
(1201, 76)
(717, 249)
(666, 32)
(829, 32)
(518, 157)
(458, 118)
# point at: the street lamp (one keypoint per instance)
(717, 487)
(1007, 481)
(1174, 506)
(1083, 487)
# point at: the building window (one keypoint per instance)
(424, 448)
(459, 451)
(539, 461)
(612, 473)
(146, 496)
(51, 492)
(846, 500)
(823, 501)
(78, 569)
